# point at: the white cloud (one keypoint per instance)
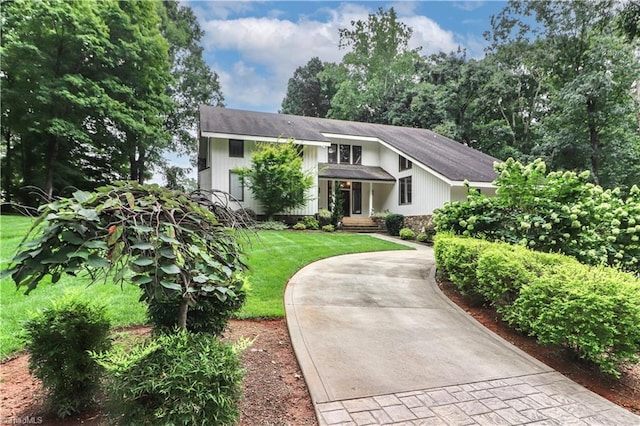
(430, 36)
(468, 6)
(265, 51)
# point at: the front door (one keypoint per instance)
(346, 202)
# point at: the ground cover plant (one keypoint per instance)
(594, 311)
(552, 212)
(272, 258)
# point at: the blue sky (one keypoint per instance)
(256, 46)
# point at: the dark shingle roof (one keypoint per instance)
(353, 172)
(451, 159)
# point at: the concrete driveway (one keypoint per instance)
(371, 329)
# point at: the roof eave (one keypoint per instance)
(256, 138)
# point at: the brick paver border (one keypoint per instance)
(537, 399)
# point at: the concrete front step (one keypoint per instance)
(363, 229)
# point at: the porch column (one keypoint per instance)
(370, 197)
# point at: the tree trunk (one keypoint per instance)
(133, 170)
(140, 164)
(52, 155)
(182, 313)
(7, 169)
(594, 140)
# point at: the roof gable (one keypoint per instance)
(453, 160)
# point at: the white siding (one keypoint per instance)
(217, 176)
(427, 191)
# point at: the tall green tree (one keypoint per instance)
(588, 118)
(379, 67)
(139, 84)
(276, 178)
(95, 91)
(193, 83)
(52, 53)
(308, 93)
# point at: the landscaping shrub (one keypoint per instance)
(324, 218)
(271, 226)
(594, 311)
(554, 212)
(422, 238)
(457, 260)
(407, 234)
(178, 379)
(503, 269)
(328, 228)
(209, 315)
(299, 226)
(58, 340)
(394, 223)
(310, 223)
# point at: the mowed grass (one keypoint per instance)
(278, 255)
(273, 258)
(123, 306)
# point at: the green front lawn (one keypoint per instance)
(273, 258)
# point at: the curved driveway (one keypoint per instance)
(378, 343)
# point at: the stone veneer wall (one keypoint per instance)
(418, 224)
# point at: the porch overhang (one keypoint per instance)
(354, 172)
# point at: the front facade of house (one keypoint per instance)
(378, 167)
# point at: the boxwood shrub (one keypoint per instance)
(503, 269)
(394, 222)
(407, 234)
(457, 260)
(593, 311)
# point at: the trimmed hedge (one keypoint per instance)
(593, 311)
(457, 260)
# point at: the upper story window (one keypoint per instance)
(236, 148)
(357, 154)
(405, 164)
(345, 154)
(333, 153)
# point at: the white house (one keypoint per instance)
(378, 167)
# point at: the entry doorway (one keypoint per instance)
(346, 201)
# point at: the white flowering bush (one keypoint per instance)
(552, 212)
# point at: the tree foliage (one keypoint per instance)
(276, 178)
(194, 83)
(552, 212)
(167, 243)
(308, 93)
(95, 91)
(378, 68)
